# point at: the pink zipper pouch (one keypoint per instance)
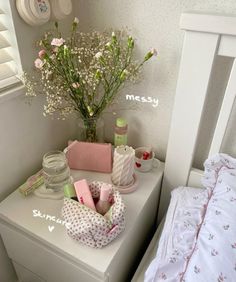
(90, 156)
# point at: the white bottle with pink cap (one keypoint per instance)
(103, 204)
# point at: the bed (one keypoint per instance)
(206, 37)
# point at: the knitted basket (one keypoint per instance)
(91, 228)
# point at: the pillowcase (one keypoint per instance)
(198, 241)
(214, 254)
(183, 217)
(218, 166)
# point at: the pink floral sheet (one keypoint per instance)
(198, 242)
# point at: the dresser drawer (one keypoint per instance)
(25, 275)
(43, 262)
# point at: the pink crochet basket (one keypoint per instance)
(90, 227)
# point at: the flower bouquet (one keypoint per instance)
(83, 73)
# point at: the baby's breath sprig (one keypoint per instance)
(84, 72)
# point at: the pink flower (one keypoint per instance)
(57, 42)
(38, 63)
(41, 53)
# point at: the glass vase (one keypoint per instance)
(91, 130)
(56, 172)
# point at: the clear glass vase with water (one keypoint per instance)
(56, 172)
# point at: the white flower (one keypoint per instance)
(38, 63)
(98, 55)
(76, 20)
(113, 34)
(124, 74)
(57, 42)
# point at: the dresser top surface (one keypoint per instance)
(17, 211)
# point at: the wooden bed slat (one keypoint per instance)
(217, 24)
(225, 112)
(191, 91)
(227, 46)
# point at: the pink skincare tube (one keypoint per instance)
(103, 204)
(83, 194)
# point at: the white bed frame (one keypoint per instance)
(206, 36)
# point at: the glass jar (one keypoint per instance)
(91, 129)
(56, 172)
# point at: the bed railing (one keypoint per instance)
(206, 36)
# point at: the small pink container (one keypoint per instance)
(103, 204)
(83, 194)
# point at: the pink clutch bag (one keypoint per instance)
(90, 156)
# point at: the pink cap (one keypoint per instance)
(105, 192)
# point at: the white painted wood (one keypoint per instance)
(208, 23)
(199, 50)
(42, 262)
(227, 46)
(55, 256)
(195, 178)
(225, 112)
(25, 275)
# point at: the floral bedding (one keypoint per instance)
(198, 242)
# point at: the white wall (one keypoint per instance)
(25, 134)
(155, 23)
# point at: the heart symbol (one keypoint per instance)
(50, 228)
(138, 164)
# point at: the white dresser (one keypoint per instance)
(41, 250)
